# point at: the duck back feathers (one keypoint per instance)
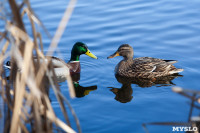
(146, 67)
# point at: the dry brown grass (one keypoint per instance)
(26, 92)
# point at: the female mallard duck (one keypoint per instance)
(73, 65)
(143, 67)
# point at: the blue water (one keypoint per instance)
(164, 29)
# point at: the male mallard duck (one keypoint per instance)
(60, 65)
(143, 67)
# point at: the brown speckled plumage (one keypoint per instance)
(143, 67)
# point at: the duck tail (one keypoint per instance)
(171, 61)
(175, 71)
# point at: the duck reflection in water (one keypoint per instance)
(80, 90)
(124, 94)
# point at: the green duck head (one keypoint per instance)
(78, 49)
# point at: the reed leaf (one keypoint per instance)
(25, 91)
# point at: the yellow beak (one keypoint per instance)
(113, 55)
(88, 53)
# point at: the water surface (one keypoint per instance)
(164, 29)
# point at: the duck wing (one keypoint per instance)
(56, 62)
(149, 64)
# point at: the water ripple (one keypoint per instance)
(165, 29)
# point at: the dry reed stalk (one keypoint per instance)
(72, 111)
(26, 93)
(61, 103)
(193, 121)
(58, 34)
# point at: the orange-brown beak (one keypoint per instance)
(113, 55)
